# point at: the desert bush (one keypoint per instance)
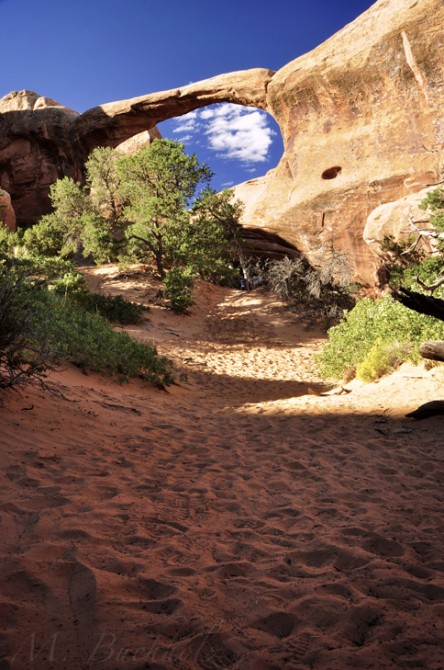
(303, 287)
(89, 341)
(378, 325)
(179, 289)
(112, 307)
(39, 327)
(23, 353)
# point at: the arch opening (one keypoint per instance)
(239, 143)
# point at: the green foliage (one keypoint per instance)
(213, 242)
(427, 271)
(157, 185)
(10, 242)
(89, 341)
(116, 309)
(375, 323)
(178, 289)
(39, 326)
(147, 205)
(60, 233)
(113, 307)
(86, 220)
(23, 354)
(434, 200)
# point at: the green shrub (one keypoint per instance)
(89, 341)
(178, 289)
(427, 271)
(113, 307)
(39, 327)
(371, 321)
(23, 353)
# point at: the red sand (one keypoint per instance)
(236, 522)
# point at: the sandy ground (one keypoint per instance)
(239, 521)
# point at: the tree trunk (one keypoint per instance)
(434, 350)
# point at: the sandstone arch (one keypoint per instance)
(115, 122)
(368, 100)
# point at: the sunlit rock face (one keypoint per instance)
(361, 118)
(363, 124)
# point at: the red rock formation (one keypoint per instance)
(7, 213)
(38, 145)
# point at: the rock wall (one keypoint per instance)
(35, 150)
(363, 124)
(361, 119)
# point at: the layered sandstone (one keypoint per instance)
(361, 119)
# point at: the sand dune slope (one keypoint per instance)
(238, 521)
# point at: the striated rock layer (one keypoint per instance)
(361, 119)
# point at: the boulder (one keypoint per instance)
(399, 220)
(7, 213)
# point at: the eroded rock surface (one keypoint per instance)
(7, 213)
(362, 122)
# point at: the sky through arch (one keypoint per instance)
(237, 142)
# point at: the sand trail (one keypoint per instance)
(237, 521)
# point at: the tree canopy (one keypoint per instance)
(156, 203)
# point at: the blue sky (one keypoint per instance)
(88, 52)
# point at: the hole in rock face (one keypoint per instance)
(332, 172)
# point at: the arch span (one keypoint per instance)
(115, 122)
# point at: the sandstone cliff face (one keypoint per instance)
(355, 115)
(34, 150)
(361, 119)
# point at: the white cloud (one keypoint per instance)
(233, 132)
(186, 123)
(207, 113)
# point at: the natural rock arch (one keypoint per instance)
(115, 122)
(355, 115)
